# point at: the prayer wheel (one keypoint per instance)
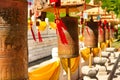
(13, 40)
(101, 34)
(71, 49)
(106, 32)
(111, 32)
(91, 34)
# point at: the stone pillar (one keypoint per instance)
(13, 40)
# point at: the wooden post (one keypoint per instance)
(90, 58)
(13, 40)
(99, 46)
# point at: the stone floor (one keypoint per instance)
(102, 74)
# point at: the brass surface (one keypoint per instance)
(71, 49)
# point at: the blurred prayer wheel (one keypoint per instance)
(111, 32)
(101, 35)
(13, 40)
(71, 49)
(106, 33)
(91, 34)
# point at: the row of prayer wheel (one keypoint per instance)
(93, 34)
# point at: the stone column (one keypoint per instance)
(13, 40)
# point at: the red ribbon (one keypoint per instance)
(39, 36)
(60, 28)
(105, 27)
(105, 22)
(56, 3)
(87, 31)
(51, 1)
(60, 25)
(33, 34)
(31, 24)
(100, 30)
(99, 23)
(108, 28)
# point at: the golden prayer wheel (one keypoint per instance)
(71, 49)
(91, 34)
(13, 40)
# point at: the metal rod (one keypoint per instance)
(114, 69)
(90, 58)
(69, 71)
(99, 46)
(79, 68)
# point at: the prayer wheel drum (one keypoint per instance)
(71, 49)
(106, 34)
(111, 32)
(101, 34)
(91, 34)
(13, 40)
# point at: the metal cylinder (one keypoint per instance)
(71, 49)
(13, 40)
(91, 34)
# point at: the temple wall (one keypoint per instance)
(39, 50)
